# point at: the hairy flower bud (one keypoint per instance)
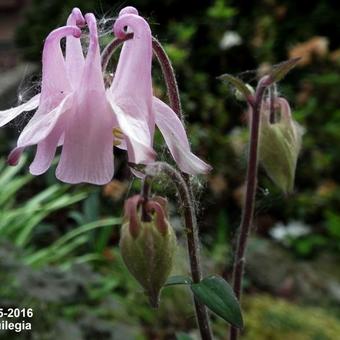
(241, 96)
(280, 144)
(148, 244)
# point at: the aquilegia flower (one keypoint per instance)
(72, 110)
(135, 108)
(76, 112)
(51, 102)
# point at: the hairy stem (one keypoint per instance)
(164, 62)
(110, 49)
(188, 209)
(145, 193)
(272, 104)
(169, 77)
(182, 180)
(249, 203)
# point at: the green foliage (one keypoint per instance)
(21, 222)
(68, 243)
(221, 10)
(178, 280)
(274, 319)
(18, 222)
(183, 336)
(218, 295)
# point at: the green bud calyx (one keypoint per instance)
(280, 144)
(148, 247)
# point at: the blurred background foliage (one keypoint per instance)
(59, 243)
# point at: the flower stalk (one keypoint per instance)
(111, 48)
(164, 62)
(188, 210)
(145, 194)
(185, 190)
(249, 203)
(181, 180)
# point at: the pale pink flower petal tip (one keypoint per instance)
(131, 98)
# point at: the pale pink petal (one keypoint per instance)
(7, 115)
(87, 154)
(40, 126)
(55, 84)
(54, 80)
(74, 53)
(36, 131)
(286, 114)
(175, 137)
(132, 80)
(136, 132)
(122, 145)
(46, 149)
(128, 10)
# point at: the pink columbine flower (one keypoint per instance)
(72, 110)
(54, 88)
(75, 112)
(136, 109)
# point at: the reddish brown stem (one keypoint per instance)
(182, 180)
(249, 203)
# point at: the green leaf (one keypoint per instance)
(218, 296)
(178, 280)
(238, 84)
(279, 71)
(183, 336)
(110, 221)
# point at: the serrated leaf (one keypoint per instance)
(219, 297)
(178, 280)
(238, 83)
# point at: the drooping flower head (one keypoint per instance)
(52, 54)
(72, 109)
(43, 129)
(75, 112)
(136, 110)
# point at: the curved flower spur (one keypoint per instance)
(136, 110)
(55, 87)
(72, 110)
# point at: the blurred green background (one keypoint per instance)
(59, 243)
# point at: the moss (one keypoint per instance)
(268, 318)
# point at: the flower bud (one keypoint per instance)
(148, 244)
(280, 144)
(241, 96)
